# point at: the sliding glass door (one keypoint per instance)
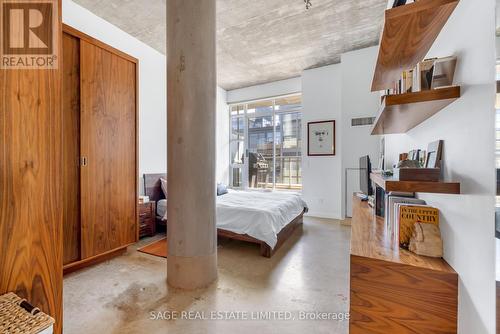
(265, 144)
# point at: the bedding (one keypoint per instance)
(161, 209)
(164, 186)
(261, 215)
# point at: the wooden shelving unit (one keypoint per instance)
(408, 34)
(402, 112)
(391, 184)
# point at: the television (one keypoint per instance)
(365, 168)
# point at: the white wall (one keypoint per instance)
(322, 176)
(272, 89)
(222, 148)
(152, 83)
(467, 128)
(357, 101)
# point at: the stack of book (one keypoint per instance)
(428, 74)
(402, 212)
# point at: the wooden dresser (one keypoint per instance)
(393, 290)
(147, 219)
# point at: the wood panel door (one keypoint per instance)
(71, 148)
(108, 142)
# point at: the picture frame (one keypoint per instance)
(434, 154)
(321, 138)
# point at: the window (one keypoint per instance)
(266, 144)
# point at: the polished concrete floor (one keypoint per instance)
(307, 277)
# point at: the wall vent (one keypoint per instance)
(362, 121)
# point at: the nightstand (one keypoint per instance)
(147, 219)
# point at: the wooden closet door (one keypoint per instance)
(108, 141)
(71, 148)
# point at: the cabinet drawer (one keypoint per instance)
(147, 227)
(145, 215)
(145, 208)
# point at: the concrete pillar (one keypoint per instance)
(191, 73)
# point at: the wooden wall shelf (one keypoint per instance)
(391, 184)
(417, 294)
(401, 113)
(408, 34)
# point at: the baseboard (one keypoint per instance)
(326, 215)
(71, 267)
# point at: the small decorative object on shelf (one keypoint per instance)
(417, 174)
(434, 154)
(408, 164)
(426, 240)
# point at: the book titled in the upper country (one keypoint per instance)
(411, 214)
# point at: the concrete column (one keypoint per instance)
(191, 73)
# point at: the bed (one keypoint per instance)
(152, 188)
(264, 218)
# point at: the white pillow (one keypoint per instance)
(164, 186)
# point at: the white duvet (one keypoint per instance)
(261, 215)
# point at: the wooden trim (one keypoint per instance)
(265, 249)
(69, 268)
(137, 177)
(391, 184)
(334, 138)
(74, 32)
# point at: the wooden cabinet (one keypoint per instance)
(393, 290)
(100, 144)
(147, 219)
(31, 193)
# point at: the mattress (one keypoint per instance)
(161, 209)
(261, 215)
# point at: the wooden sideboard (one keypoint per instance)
(393, 290)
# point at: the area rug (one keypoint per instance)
(157, 248)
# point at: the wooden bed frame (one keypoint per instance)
(152, 188)
(265, 249)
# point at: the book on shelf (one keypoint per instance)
(432, 73)
(406, 217)
(392, 200)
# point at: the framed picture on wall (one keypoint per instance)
(321, 138)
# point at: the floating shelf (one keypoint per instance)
(408, 34)
(402, 112)
(391, 184)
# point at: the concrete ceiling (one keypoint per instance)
(261, 41)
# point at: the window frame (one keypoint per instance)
(246, 116)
